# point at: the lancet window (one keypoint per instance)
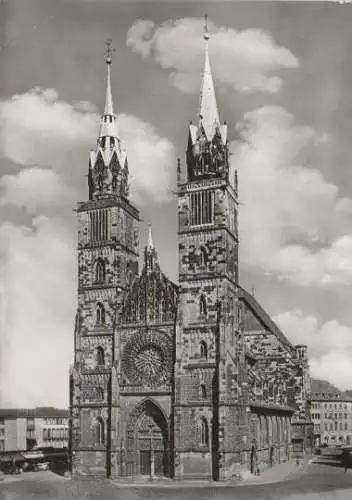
(99, 225)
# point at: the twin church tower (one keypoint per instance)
(159, 368)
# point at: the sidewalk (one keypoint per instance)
(278, 472)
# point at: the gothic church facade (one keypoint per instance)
(192, 380)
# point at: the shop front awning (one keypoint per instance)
(33, 455)
(15, 457)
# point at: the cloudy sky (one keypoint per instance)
(283, 76)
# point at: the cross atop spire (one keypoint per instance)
(108, 51)
(206, 32)
(209, 115)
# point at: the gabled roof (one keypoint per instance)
(323, 390)
(263, 316)
(323, 386)
(39, 412)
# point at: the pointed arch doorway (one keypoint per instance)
(148, 441)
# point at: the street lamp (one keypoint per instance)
(151, 425)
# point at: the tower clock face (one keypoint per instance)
(147, 358)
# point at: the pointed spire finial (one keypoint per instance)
(150, 238)
(109, 107)
(208, 112)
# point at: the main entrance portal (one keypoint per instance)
(148, 442)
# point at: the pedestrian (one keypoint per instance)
(271, 456)
(253, 459)
(344, 458)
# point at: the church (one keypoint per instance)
(183, 381)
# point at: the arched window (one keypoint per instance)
(202, 305)
(100, 271)
(100, 393)
(100, 431)
(204, 432)
(100, 357)
(203, 349)
(203, 391)
(100, 314)
(203, 256)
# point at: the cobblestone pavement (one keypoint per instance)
(279, 472)
(297, 485)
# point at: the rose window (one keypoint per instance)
(147, 358)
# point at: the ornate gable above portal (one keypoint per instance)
(153, 298)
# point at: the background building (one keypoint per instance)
(191, 380)
(331, 412)
(27, 429)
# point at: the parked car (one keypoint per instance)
(43, 466)
(29, 466)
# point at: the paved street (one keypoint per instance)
(47, 486)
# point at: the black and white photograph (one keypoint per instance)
(175, 249)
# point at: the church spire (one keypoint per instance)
(207, 149)
(209, 115)
(109, 108)
(108, 126)
(150, 253)
(150, 238)
(108, 171)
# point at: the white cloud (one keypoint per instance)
(247, 61)
(38, 290)
(40, 129)
(151, 159)
(36, 189)
(37, 264)
(329, 345)
(293, 223)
